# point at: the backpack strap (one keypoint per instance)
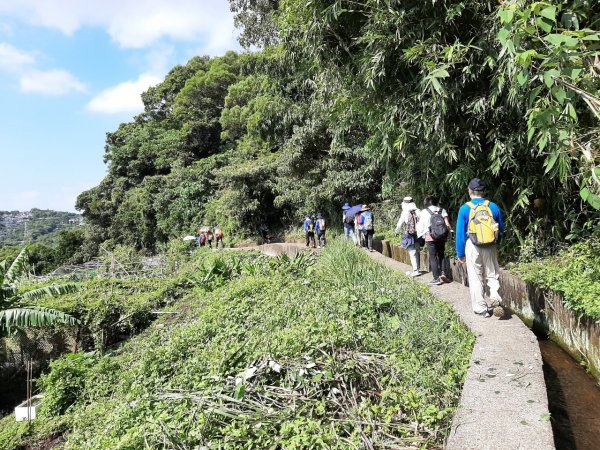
(486, 203)
(471, 205)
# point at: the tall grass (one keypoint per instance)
(344, 354)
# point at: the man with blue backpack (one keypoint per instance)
(365, 221)
(348, 223)
(479, 229)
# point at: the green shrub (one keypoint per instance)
(282, 352)
(575, 273)
(64, 383)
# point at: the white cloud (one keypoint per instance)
(50, 82)
(135, 24)
(124, 97)
(22, 65)
(14, 60)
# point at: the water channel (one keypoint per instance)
(574, 398)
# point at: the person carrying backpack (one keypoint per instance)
(479, 229)
(367, 229)
(320, 228)
(348, 223)
(264, 233)
(218, 237)
(360, 237)
(201, 239)
(410, 241)
(435, 227)
(309, 230)
(209, 237)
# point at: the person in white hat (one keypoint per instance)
(408, 222)
(366, 220)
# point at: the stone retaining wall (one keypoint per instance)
(541, 309)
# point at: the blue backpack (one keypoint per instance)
(367, 220)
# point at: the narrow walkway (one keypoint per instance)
(504, 405)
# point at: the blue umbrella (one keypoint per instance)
(353, 211)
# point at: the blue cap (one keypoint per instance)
(346, 206)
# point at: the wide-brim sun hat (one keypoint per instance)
(319, 216)
(408, 204)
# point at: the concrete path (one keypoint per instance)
(504, 405)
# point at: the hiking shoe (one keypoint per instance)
(485, 314)
(444, 278)
(497, 308)
(498, 311)
(415, 273)
(435, 282)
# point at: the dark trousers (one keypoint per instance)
(436, 257)
(310, 237)
(321, 239)
(218, 241)
(368, 238)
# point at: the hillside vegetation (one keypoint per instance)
(367, 102)
(268, 353)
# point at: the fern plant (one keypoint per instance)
(16, 310)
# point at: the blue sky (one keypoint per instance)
(72, 70)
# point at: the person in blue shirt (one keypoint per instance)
(481, 261)
(309, 230)
(348, 223)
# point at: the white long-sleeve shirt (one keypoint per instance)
(403, 221)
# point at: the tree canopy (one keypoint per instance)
(367, 101)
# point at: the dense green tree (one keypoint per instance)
(448, 90)
(366, 102)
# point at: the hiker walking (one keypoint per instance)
(348, 222)
(479, 229)
(219, 237)
(320, 228)
(358, 230)
(365, 221)
(434, 226)
(309, 230)
(201, 238)
(264, 233)
(409, 218)
(209, 237)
